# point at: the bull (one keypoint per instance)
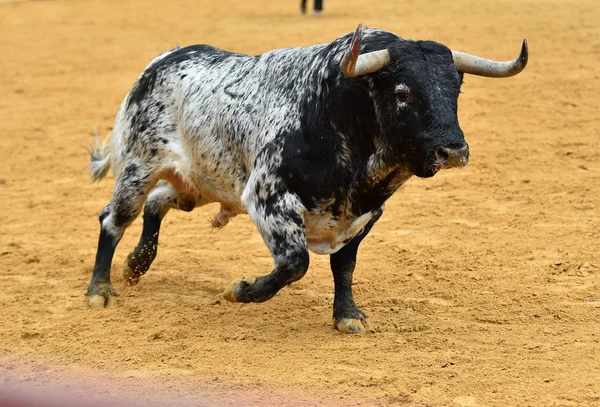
(310, 142)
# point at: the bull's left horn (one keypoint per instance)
(354, 64)
(474, 65)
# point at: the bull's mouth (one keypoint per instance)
(436, 167)
(443, 159)
(430, 171)
(426, 171)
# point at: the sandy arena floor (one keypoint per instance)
(483, 285)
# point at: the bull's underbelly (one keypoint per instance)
(325, 235)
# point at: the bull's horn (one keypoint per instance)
(484, 67)
(354, 64)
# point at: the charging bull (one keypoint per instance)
(309, 142)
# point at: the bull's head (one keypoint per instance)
(415, 87)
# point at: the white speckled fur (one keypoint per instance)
(217, 118)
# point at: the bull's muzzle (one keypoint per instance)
(446, 157)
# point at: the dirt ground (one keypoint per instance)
(483, 285)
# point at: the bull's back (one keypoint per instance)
(193, 111)
(207, 113)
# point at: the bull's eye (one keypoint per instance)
(403, 96)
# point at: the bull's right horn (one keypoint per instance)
(474, 65)
(354, 64)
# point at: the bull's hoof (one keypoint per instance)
(239, 290)
(97, 301)
(352, 324)
(101, 295)
(130, 276)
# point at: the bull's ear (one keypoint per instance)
(353, 64)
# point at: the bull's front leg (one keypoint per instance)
(278, 215)
(346, 316)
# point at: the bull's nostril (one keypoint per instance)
(441, 155)
(448, 157)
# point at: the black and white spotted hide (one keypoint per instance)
(306, 141)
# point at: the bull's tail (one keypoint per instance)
(99, 157)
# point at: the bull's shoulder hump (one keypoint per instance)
(189, 53)
(376, 39)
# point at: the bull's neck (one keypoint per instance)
(354, 135)
(375, 182)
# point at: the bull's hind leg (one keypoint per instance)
(160, 200)
(126, 203)
(278, 214)
(346, 316)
